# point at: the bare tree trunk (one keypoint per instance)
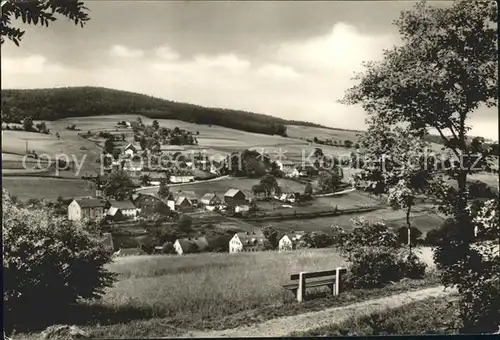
(408, 211)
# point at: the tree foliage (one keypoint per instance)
(47, 261)
(329, 181)
(92, 101)
(444, 70)
(39, 13)
(119, 185)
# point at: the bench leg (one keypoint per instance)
(332, 289)
(301, 291)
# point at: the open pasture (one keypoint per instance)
(190, 287)
(309, 132)
(422, 220)
(221, 186)
(47, 188)
(210, 136)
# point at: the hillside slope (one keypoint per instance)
(57, 103)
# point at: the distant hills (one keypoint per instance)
(57, 103)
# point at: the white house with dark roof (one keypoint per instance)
(246, 241)
(130, 150)
(289, 240)
(211, 201)
(91, 208)
(127, 208)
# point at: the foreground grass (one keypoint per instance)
(430, 316)
(166, 295)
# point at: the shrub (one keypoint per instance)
(339, 236)
(366, 234)
(372, 267)
(49, 263)
(411, 266)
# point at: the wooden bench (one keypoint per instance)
(330, 278)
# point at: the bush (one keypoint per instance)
(411, 266)
(49, 263)
(366, 234)
(372, 267)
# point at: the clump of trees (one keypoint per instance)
(43, 257)
(441, 73)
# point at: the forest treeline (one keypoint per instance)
(57, 103)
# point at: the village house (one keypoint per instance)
(182, 203)
(289, 240)
(114, 214)
(147, 203)
(190, 195)
(235, 197)
(130, 150)
(211, 201)
(91, 208)
(127, 208)
(290, 197)
(285, 165)
(181, 179)
(189, 246)
(246, 241)
(237, 200)
(291, 172)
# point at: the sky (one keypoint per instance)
(292, 60)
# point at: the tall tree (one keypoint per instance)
(444, 70)
(39, 12)
(399, 167)
(163, 190)
(119, 186)
(269, 185)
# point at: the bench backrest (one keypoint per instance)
(310, 275)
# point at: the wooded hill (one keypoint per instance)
(57, 103)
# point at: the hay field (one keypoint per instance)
(189, 287)
(424, 221)
(221, 186)
(47, 188)
(210, 136)
(309, 132)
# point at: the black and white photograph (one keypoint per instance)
(206, 169)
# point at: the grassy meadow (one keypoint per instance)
(167, 295)
(191, 287)
(47, 188)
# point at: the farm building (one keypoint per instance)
(210, 201)
(185, 246)
(183, 204)
(115, 214)
(130, 150)
(235, 197)
(291, 172)
(181, 179)
(290, 197)
(127, 208)
(147, 203)
(289, 241)
(129, 252)
(190, 195)
(246, 241)
(90, 208)
(285, 165)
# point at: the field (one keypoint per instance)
(424, 221)
(309, 132)
(167, 295)
(47, 188)
(195, 287)
(221, 186)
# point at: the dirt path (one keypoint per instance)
(298, 323)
